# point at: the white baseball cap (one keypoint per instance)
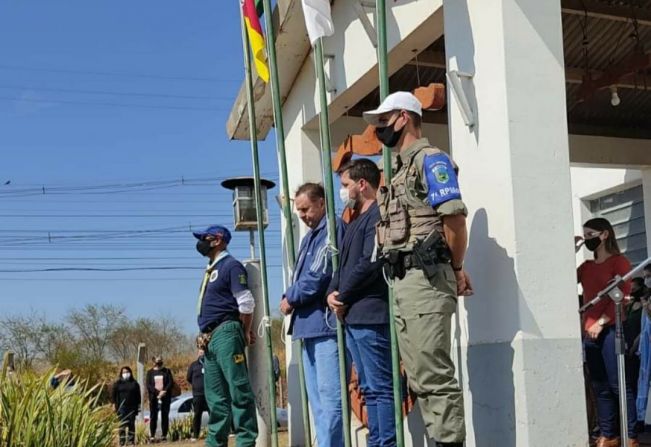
(395, 101)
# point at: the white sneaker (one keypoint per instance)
(193, 439)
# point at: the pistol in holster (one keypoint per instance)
(430, 252)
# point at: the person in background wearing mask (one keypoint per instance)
(599, 331)
(647, 276)
(632, 333)
(195, 379)
(423, 237)
(159, 385)
(126, 398)
(634, 310)
(225, 317)
(644, 349)
(358, 295)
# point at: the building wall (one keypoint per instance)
(589, 183)
(351, 72)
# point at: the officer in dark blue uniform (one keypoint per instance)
(225, 314)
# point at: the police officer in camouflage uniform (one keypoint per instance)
(422, 236)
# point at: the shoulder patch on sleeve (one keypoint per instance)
(442, 181)
(242, 279)
(432, 151)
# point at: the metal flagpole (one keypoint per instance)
(324, 128)
(287, 209)
(260, 221)
(382, 58)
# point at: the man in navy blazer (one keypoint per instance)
(358, 295)
(305, 301)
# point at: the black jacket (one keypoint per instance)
(168, 382)
(359, 281)
(126, 395)
(195, 377)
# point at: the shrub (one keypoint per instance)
(142, 433)
(32, 414)
(180, 429)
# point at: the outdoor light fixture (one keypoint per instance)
(244, 210)
(454, 78)
(614, 96)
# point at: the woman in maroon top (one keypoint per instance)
(599, 331)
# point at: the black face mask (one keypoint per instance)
(639, 293)
(204, 247)
(593, 244)
(388, 135)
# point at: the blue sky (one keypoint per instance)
(119, 92)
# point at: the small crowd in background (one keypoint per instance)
(161, 389)
(599, 347)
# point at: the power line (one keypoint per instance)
(111, 104)
(91, 269)
(111, 215)
(118, 74)
(114, 93)
(125, 269)
(146, 185)
(29, 280)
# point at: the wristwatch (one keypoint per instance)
(602, 321)
(457, 269)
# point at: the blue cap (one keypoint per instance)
(215, 230)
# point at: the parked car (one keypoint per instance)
(181, 407)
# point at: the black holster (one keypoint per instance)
(430, 252)
(394, 266)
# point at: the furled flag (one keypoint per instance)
(256, 38)
(318, 19)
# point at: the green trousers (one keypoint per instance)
(228, 390)
(423, 313)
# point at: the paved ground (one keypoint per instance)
(282, 442)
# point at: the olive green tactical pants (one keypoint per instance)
(423, 313)
(228, 390)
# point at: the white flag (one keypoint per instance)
(318, 20)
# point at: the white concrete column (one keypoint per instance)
(646, 193)
(520, 350)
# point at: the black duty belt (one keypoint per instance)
(215, 324)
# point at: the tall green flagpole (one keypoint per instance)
(382, 57)
(287, 209)
(259, 215)
(324, 127)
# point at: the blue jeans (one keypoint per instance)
(602, 365)
(321, 365)
(370, 349)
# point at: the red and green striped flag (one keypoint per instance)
(256, 38)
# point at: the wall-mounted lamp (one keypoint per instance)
(455, 80)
